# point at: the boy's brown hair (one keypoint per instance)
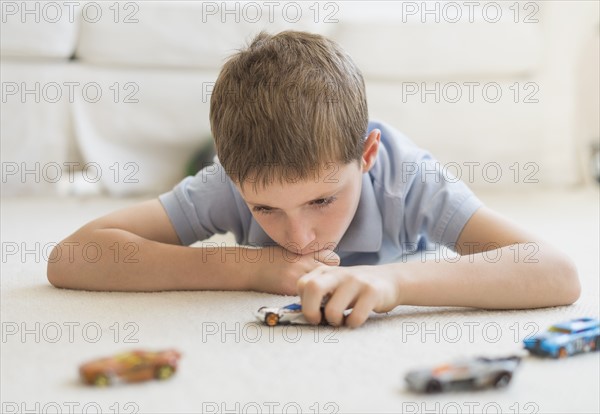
(286, 106)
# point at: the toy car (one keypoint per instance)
(290, 314)
(468, 374)
(134, 366)
(566, 338)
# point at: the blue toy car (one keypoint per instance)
(566, 338)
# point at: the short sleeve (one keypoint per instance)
(202, 205)
(437, 205)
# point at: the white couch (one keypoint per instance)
(154, 64)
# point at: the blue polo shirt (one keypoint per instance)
(408, 203)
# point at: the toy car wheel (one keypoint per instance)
(502, 380)
(164, 372)
(271, 319)
(433, 386)
(101, 380)
(562, 352)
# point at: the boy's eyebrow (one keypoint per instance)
(326, 195)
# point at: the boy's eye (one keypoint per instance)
(320, 203)
(323, 202)
(262, 210)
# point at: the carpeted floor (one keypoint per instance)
(229, 363)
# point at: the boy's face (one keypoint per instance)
(307, 216)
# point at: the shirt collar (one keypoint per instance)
(364, 234)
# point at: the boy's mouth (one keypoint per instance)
(313, 248)
(315, 251)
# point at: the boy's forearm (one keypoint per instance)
(507, 278)
(113, 259)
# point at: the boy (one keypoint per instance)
(327, 202)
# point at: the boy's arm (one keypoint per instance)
(501, 267)
(520, 272)
(137, 249)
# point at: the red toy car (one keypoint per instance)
(134, 366)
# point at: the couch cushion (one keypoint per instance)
(386, 39)
(182, 33)
(35, 130)
(391, 41)
(489, 142)
(39, 29)
(148, 131)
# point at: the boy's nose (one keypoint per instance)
(300, 235)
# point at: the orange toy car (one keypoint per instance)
(134, 366)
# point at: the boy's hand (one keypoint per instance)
(278, 270)
(362, 288)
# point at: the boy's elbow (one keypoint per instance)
(53, 273)
(569, 280)
(58, 271)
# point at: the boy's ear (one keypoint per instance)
(370, 149)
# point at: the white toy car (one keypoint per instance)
(467, 374)
(290, 314)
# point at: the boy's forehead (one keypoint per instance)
(328, 180)
(278, 197)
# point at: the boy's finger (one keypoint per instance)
(312, 289)
(361, 310)
(342, 299)
(328, 257)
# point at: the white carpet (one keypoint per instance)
(227, 367)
